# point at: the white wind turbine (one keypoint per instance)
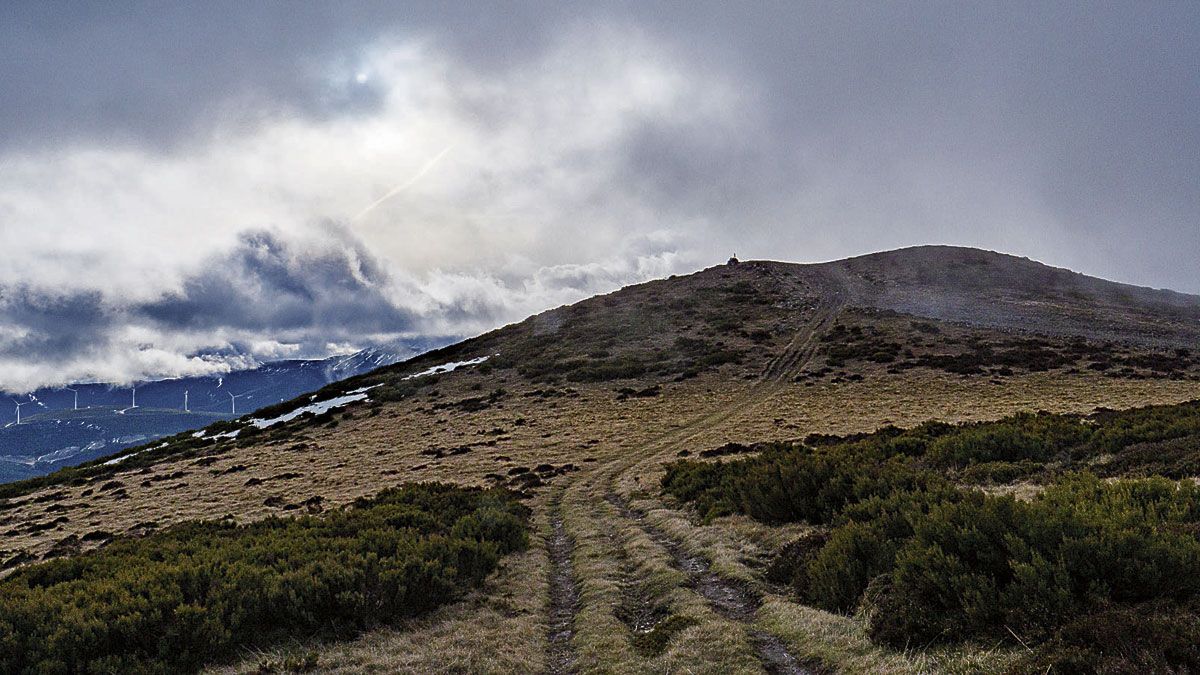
(233, 401)
(19, 404)
(185, 401)
(76, 392)
(133, 403)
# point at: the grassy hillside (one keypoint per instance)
(580, 410)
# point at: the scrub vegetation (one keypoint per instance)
(898, 342)
(200, 591)
(904, 540)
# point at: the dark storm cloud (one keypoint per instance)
(1086, 109)
(158, 74)
(267, 286)
(52, 327)
(267, 289)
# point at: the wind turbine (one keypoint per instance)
(134, 404)
(185, 395)
(76, 392)
(233, 401)
(19, 404)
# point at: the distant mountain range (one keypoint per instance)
(60, 427)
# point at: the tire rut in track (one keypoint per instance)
(805, 342)
(564, 596)
(727, 598)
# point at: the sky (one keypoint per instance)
(190, 188)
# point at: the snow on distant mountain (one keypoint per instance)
(61, 427)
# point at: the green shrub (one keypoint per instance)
(1172, 458)
(790, 483)
(1118, 430)
(999, 473)
(931, 561)
(201, 590)
(984, 565)
(1022, 437)
(839, 573)
(864, 546)
(1151, 637)
(813, 481)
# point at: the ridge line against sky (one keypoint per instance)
(188, 189)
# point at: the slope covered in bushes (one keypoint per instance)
(903, 537)
(199, 591)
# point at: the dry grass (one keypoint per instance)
(617, 446)
(841, 642)
(620, 567)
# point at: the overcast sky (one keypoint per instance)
(193, 188)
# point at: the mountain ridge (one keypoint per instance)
(580, 409)
(763, 315)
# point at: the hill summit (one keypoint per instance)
(607, 417)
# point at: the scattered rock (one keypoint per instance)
(50, 497)
(314, 504)
(68, 545)
(20, 558)
(47, 525)
(233, 469)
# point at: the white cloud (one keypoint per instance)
(532, 205)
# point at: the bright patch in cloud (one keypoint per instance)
(464, 200)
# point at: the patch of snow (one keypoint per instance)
(317, 408)
(122, 458)
(227, 434)
(19, 459)
(448, 367)
(59, 455)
